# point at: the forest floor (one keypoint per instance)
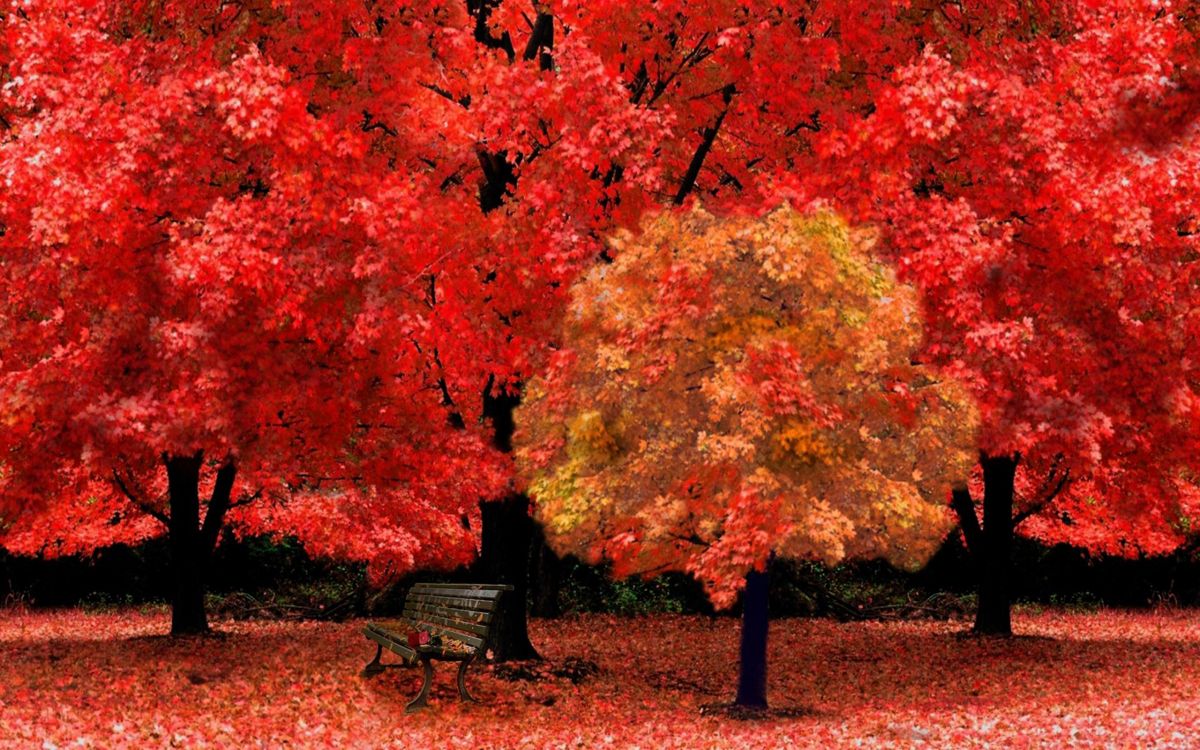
(1102, 679)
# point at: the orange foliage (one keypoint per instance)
(729, 388)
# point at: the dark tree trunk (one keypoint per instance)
(191, 543)
(546, 576)
(187, 558)
(507, 528)
(752, 677)
(507, 534)
(504, 558)
(994, 556)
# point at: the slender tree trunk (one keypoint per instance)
(187, 561)
(994, 556)
(752, 677)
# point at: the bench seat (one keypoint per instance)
(460, 615)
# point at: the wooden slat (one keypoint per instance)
(436, 618)
(461, 586)
(445, 627)
(482, 605)
(466, 605)
(478, 619)
(388, 640)
(465, 592)
(440, 653)
(471, 640)
(476, 616)
(400, 630)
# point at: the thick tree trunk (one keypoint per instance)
(545, 578)
(187, 557)
(507, 527)
(994, 556)
(752, 677)
(504, 558)
(507, 533)
(191, 543)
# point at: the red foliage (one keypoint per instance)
(1046, 220)
(1105, 679)
(1033, 167)
(256, 229)
(255, 232)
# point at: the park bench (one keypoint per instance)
(460, 615)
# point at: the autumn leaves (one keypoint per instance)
(729, 388)
(311, 239)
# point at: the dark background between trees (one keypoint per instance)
(263, 577)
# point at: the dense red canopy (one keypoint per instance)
(257, 229)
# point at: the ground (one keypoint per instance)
(1101, 679)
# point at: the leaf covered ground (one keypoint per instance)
(1107, 679)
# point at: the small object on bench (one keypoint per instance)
(441, 622)
(418, 638)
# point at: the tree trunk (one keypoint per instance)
(752, 677)
(507, 533)
(187, 558)
(994, 616)
(507, 528)
(545, 579)
(504, 558)
(191, 543)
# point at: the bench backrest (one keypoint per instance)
(462, 611)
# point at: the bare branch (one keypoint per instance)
(710, 136)
(246, 499)
(138, 502)
(463, 101)
(1046, 499)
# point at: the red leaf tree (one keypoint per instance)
(439, 172)
(246, 283)
(1040, 190)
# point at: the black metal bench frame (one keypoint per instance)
(462, 612)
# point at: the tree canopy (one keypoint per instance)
(732, 387)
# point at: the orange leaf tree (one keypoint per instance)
(732, 388)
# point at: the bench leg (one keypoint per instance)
(374, 667)
(422, 699)
(462, 682)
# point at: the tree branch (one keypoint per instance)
(1048, 498)
(369, 123)
(541, 38)
(964, 508)
(694, 57)
(138, 502)
(482, 10)
(218, 506)
(710, 135)
(463, 101)
(245, 499)
(455, 417)
(813, 124)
